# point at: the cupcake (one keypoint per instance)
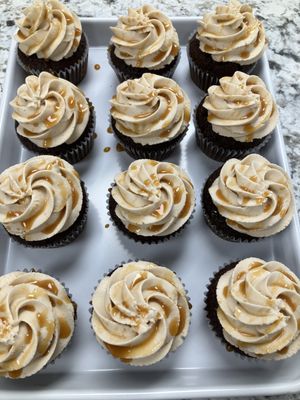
(150, 116)
(36, 322)
(230, 39)
(50, 38)
(43, 203)
(253, 306)
(143, 41)
(248, 199)
(151, 201)
(235, 118)
(54, 117)
(140, 313)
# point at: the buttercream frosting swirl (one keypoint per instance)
(50, 111)
(254, 195)
(145, 38)
(39, 197)
(232, 33)
(48, 30)
(153, 198)
(150, 110)
(259, 308)
(241, 107)
(36, 322)
(140, 313)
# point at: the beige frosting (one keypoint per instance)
(153, 198)
(232, 33)
(49, 30)
(36, 322)
(145, 38)
(140, 313)
(254, 195)
(39, 198)
(150, 110)
(50, 111)
(259, 308)
(241, 107)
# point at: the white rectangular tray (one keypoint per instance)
(201, 367)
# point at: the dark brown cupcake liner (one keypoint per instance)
(72, 69)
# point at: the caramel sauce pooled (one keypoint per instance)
(225, 291)
(81, 111)
(50, 228)
(65, 330)
(2, 307)
(208, 48)
(75, 195)
(62, 92)
(139, 278)
(21, 35)
(262, 107)
(267, 206)
(71, 102)
(210, 117)
(240, 275)
(177, 194)
(12, 214)
(184, 212)
(51, 120)
(15, 374)
(159, 56)
(249, 129)
(182, 321)
(69, 19)
(155, 228)
(28, 336)
(164, 114)
(278, 206)
(106, 149)
(28, 307)
(133, 228)
(298, 324)
(153, 163)
(243, 287)
(46, 284)
(165, 133)
(27, 132)
(253, 178)
(245, 54)
(187, 115)
(47, 142)
(165, 307)
(175, 50)
(27, 224)
(159, 211)
(220, 196)
(174, 327)
(77, 32)
(284, 350)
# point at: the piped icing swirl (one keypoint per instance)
(140, 313)
(254, 195)
(241, 107)
(153, 198)
(232, 33)
(39, 198)
(150, 110)
(36, 322)
(50, 111)
(259, 308)
(48, 30)
(145, 38)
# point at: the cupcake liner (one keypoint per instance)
(72, 153)
(72, 69)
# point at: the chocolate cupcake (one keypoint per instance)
(237, 117)
(144, 41)
(150, 116)
(53, 117)
(230, 39)
(50, 38)
(151, 201)
(36, 322)
(43, 203)
(140, 313)
(253, 306)
(248, 199)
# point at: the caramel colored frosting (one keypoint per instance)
(241, 107)
(232, 33)
(48, 30)
(145, 38)
(36, 322)
(50, 111)
(153, 198)
(259, 308)
(254, 195)
(140, 313)
(39, 198)
(150, 110)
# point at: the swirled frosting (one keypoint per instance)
(36, 322)
(140, 313)
(39, 198)
(152, 109)
(259, 308)
(241, 107)
(254, 195)
(50, 111)
(48, 30)
(232, 33)
(153, 198)
(145, 38)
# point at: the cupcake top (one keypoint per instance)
(150, 110)
(254, 195)
(140, 313)
(145, 38)
(39, 198)
(48, 30)
(153, 198)
(241, 107)
(232, 33)
(50, 111)
(36, 322)
(259, 308)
